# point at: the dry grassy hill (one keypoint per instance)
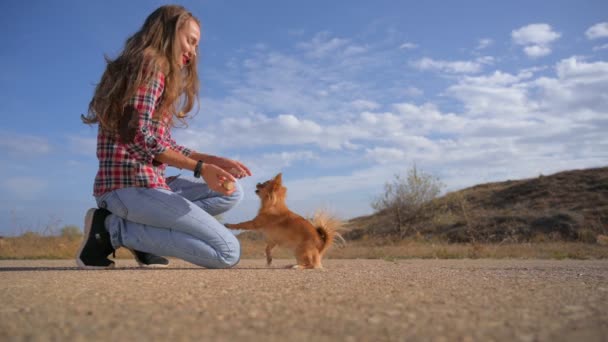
(570, 205)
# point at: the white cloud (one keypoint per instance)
(534, 34)
(574, 68)
(413, 92)
(287, 158)
(289, 130)
(313, 113)
(285, 128)
(385, 155)
(600, 47)
(579, 87)
(24, 145)
(354, 50)
(599, 30)
(537, 51)
(86, 146)
(456, 67)
(484, 43)
(323, 45)
(365, 105)
(536, 39)
(320, 187)
(408, 46)
(268, 164)
(25, 188)
(496, 95)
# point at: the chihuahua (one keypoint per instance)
(282, 227)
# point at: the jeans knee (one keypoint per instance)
(231, 256)
(237, 195)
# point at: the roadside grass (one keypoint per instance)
(34, 246)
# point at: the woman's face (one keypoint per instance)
(188, 37)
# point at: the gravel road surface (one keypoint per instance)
(350, 300)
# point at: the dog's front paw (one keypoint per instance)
(229, 225)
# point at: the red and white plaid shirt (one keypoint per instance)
(132, 164)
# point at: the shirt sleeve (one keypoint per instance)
(179, 148)
(145, 145)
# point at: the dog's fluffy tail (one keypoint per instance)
(327, 226)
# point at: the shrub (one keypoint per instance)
(71, 231)
(408, 200)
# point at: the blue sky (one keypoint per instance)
(337, 95)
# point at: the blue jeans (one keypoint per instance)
(178, 223)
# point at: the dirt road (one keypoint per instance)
(351, 300)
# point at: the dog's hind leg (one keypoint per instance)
(269, 246)
(316, 259)
(307, 257)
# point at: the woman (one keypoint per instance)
(152, 84)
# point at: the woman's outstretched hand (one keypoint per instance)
(218, 179)
(235, 168)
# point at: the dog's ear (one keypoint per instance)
(277, 182)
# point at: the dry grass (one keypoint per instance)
(427, 250)
(32, 246)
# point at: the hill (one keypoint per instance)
(569, 205)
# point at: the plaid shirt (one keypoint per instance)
(132, 164)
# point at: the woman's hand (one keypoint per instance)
(215, 177)
(235, 168)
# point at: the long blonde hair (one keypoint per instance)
(154, 48)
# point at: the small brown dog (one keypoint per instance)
(283, 227)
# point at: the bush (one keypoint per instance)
(408, 200)
(71, 231)
(587, 236)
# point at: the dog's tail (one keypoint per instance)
(326, 226)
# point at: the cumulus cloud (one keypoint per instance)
(534, 34)
(599, 30)
(413, 91)
(408, 46)
(579, 87)
(282, 129)
(454, 67)
(490, 97)
(267, 165)
(24, 188)
(385, 155)
(537, 50)
(484, 43)
(85, 146)
(536, 39)
(600, 47)
(497, 124)
(24, 145)
(365, 105)
(323, 45)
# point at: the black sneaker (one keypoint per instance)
(149, 260)
(96, 245)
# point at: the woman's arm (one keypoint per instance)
(234, 167)
(213, 175)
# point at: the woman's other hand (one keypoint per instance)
(216, 177)
(235, 168)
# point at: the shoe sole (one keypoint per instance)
(141, 264)
(88, 223)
